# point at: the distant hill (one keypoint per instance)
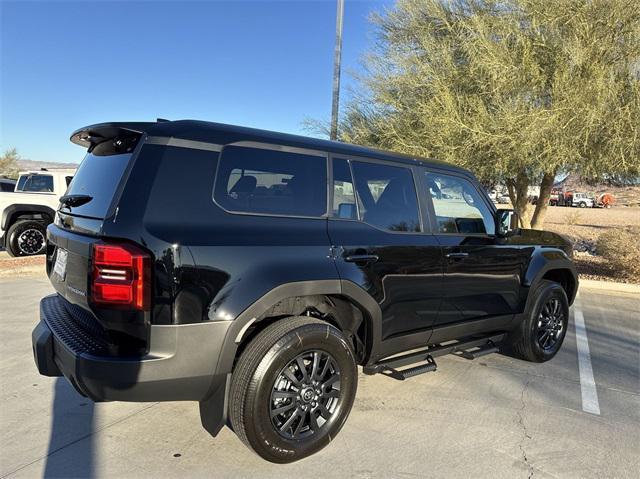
(624, 195)
(36, 165)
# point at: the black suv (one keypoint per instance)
(254, 271)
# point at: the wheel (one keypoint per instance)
(26, 238)
(292, 389)
(542, 332)
(582, 204)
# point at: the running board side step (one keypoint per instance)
(489, 348)
(470, 349)
(429, 366)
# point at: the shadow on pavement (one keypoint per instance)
(72, 431)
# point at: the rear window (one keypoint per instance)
(271, 182)
(98, 176)
(35, 183)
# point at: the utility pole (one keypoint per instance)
(337, 59)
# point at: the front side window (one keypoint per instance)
(272, 182)
(458, 206)
(386, 196)
(36, 183)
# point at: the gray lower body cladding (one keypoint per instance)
(181, 365)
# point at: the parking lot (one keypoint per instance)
(495, 416)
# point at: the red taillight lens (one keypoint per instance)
(121, 277)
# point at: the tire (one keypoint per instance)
(260, 383)
(26, 238)
(529, 341)
(582, 204)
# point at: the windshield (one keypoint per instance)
(98, 176)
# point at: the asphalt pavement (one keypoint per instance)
(493, 417)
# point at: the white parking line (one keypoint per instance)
(590, 402)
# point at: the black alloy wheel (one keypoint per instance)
(26, 238)
(550, 324)
(292, 388)
(31, 242)
(305, 394)
(542, 329)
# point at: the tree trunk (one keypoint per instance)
(518, 192)
(537, 222)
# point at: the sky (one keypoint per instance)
(264, 64)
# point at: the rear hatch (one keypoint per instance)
(77, 238)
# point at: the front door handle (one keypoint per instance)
(361, 258)
(456, 255)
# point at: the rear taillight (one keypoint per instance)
(121, 277)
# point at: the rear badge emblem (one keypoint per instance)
(76, 291)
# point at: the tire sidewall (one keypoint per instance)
(17, 229)
(549, 291)
(263, 436)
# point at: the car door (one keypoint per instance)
(483, 273)
(381, 244)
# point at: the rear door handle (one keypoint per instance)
(361, 258)
(456, 255)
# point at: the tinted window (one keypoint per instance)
(98, 176)
(386, 196)
(36, 183)
(458, 206)
(255, 180)
(7, 186)
(344, 198)
(21, 182)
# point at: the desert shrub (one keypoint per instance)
(572, 217)
(621, 248)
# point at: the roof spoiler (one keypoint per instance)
(91, 135)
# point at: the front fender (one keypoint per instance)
(546, 260)
(18, 208)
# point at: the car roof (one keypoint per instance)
(220, 133)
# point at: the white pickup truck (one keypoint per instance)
(27, 211)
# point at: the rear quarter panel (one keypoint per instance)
(210, 264)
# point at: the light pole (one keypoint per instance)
(337, 58)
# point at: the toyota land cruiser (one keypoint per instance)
(254, 271)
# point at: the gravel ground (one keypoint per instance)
(16, 267)
(583, 226)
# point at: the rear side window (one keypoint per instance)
(344, 198)
(271, 182)
(36, 183)
(386, 196)
(98, 176)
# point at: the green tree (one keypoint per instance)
(9, 163)
(518, 91)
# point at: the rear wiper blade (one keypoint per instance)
(75, 200)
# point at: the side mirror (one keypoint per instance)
(506, 223)
(347, 211)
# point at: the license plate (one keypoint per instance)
(60, 268)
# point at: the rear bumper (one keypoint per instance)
(180, 365)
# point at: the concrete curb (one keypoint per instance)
(610, 286)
